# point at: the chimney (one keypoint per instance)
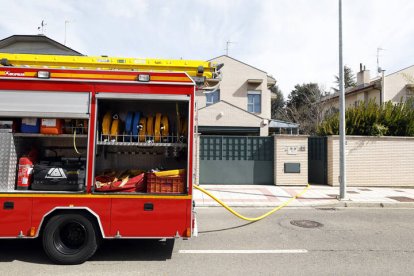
(363, 75)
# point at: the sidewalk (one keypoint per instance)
(317, 195)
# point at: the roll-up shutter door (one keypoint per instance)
(44, 104)
(153, 97)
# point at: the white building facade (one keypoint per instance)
(241, 105)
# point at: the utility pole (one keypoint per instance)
(342, 127)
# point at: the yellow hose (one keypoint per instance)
(251, 219)
(106, 123)
(157, 128)
(74, 143)
(142, 131)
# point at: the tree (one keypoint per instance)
(278, 103)
(305, 108)
(349, 78)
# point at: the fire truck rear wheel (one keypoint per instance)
(70, 239)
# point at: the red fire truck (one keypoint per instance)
(90, 154)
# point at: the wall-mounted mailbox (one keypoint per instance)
(292, 167)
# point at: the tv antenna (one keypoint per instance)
(42, 26)
(379, 69)
(66, 23)
(228, 46)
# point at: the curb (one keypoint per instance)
(265, 205)
(338, 204)
(354, 204)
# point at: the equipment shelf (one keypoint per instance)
(49, 135)
(141, 144)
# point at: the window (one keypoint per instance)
(254, 99)
(212, 97)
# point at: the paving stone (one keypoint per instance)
(402, 198)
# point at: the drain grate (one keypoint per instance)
(306, 223)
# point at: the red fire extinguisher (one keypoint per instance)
(25, 171)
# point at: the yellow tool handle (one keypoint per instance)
(170, 173)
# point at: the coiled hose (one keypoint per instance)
(247, 218)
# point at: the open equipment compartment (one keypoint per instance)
(33, 161)
(40, 145)
(138, 135)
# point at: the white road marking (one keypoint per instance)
(274, 251)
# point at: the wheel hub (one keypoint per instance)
(71, 237)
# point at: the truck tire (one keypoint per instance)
(69, 239)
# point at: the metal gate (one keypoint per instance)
(236, 160)
(318, 160)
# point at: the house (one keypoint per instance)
(395, 87)
(35, 44)
(241, 105)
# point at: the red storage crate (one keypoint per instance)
(166, 184)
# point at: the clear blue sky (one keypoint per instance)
(296, 41)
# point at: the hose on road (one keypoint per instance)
(247, 218)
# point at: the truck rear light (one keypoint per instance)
(32, 232)
(43, 74)
(188, 234)
(144, 77)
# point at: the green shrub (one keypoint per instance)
(370, 119)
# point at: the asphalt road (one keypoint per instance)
(348, 242)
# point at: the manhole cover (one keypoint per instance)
(306, 223)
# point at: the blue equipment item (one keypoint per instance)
(128, 125)
(30, 125)
(135, 124)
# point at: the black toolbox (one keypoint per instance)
(59, 176)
